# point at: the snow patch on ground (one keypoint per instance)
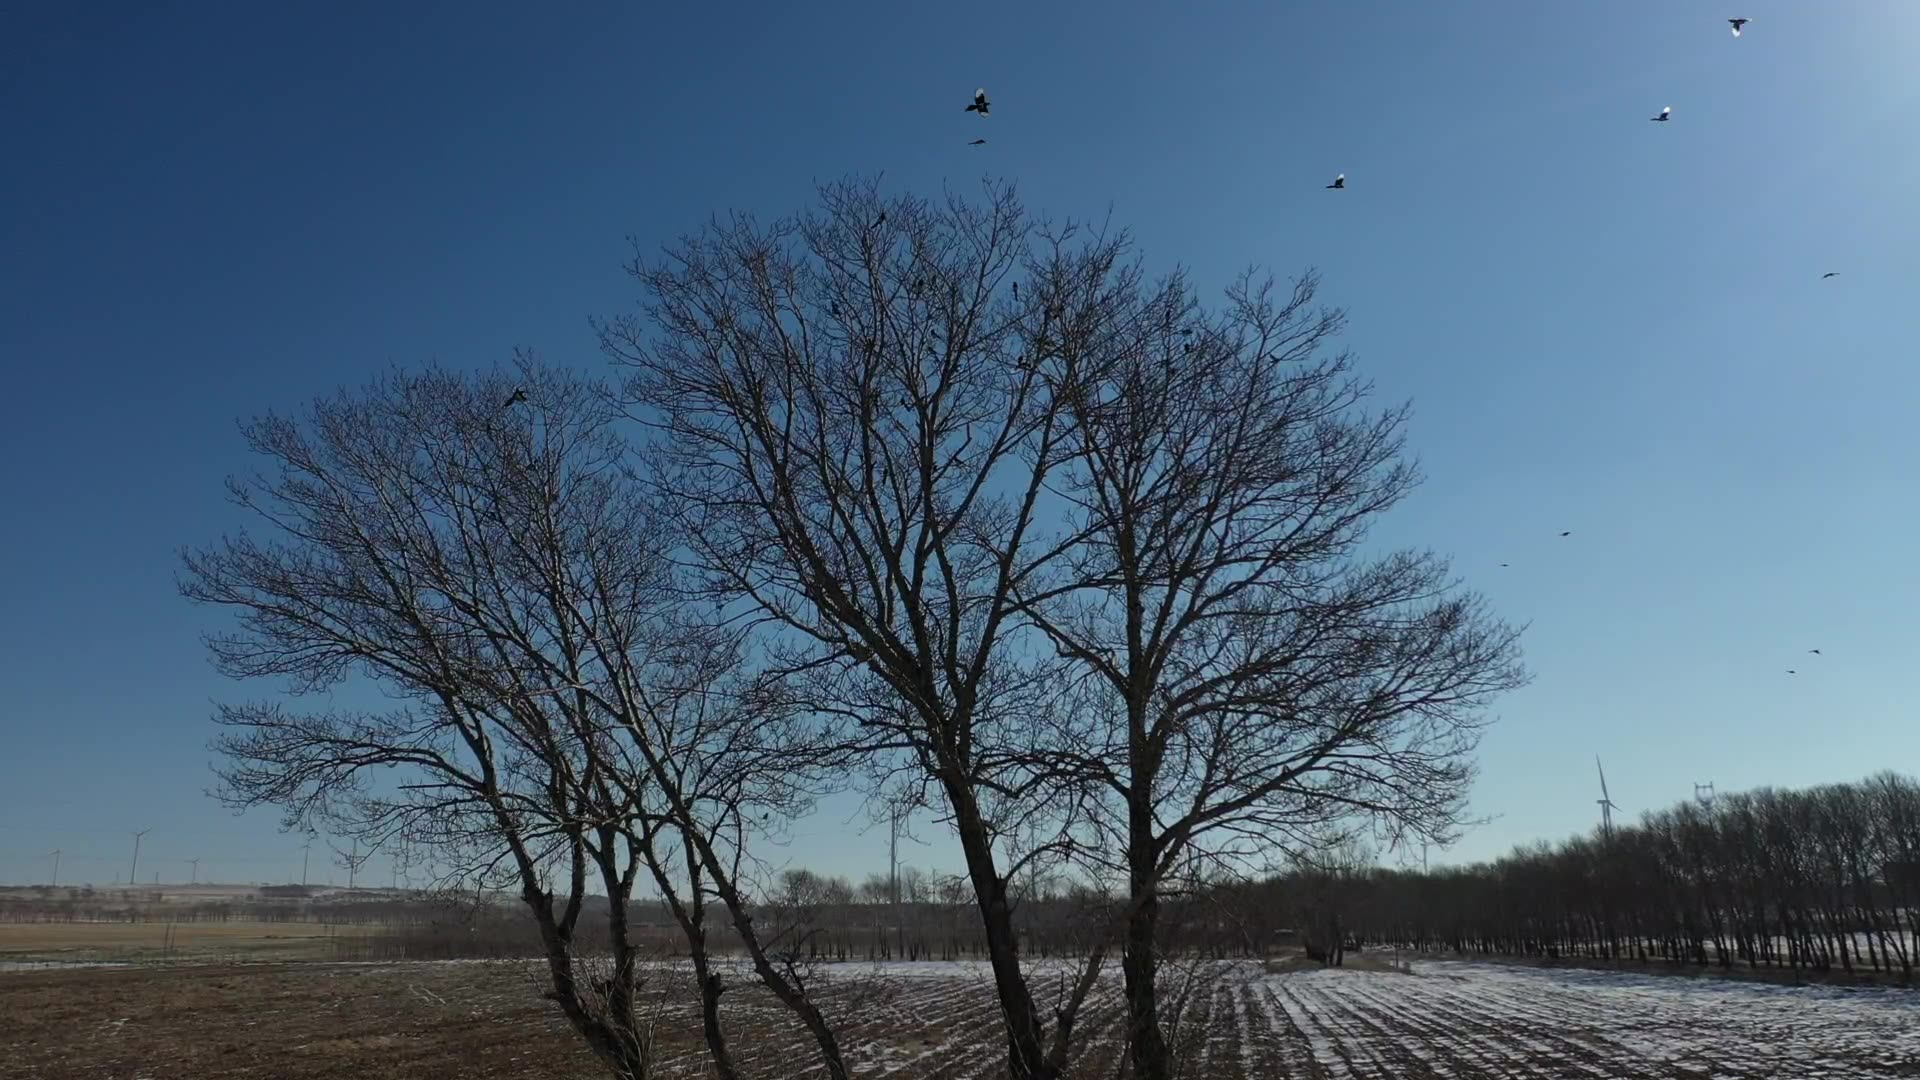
(1499, 1020)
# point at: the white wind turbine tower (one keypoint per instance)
(1606, 801)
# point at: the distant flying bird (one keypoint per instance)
(1828, 274)
(1665, 115)
(1339, 182)
(1737, 24)
(980, 103)
(519, 398)
(1790, 671)
(978, 142)
(1506, 564)
(1569, 532)
(1815, 652)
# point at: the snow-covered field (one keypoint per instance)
(1471, 1020)
(1454, 1020)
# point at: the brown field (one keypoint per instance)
(133, 942)
(282, 1020)
(927, 1022)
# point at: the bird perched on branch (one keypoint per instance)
(980, 103)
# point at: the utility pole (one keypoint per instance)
(893, 863)
(306, 851)
(893, 883)
(56, 867)
(134, 870)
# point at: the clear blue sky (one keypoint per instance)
(1606, 325)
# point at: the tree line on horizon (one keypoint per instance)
(1818, 879)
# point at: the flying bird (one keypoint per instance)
(1506, 564)
(519, 397)
(1828, 274)
(1737, 24)
(1339, 182)
(1815, 652)
(1665, 115)
(1569, 532)
(980, 103)
(978, 142)
(1790, 671)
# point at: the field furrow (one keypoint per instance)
(1447, 1021)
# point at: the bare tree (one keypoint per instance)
(1082, 551)
(1251, 677)
(855, 427)
(495, 571)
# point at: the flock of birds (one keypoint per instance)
(981, 106)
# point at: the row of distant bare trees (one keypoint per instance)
(1826, 878)
(930, 499)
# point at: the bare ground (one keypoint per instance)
(150, 940)
(479, 1019)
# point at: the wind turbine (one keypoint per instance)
(135, 868)
(1606, 801)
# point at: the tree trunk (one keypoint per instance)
(1151, 1057)
(710, 988)
(620, 1050)
(1026, 1052)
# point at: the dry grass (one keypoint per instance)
(284, 1021)
(138, 941)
